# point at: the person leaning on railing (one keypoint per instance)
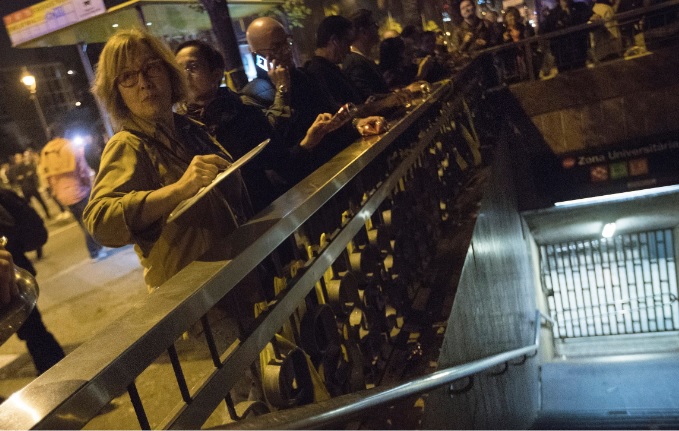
(156, 160)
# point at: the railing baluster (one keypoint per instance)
(138, 407)
(179, 374)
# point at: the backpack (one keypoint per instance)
(23, 227)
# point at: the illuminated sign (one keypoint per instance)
(48, 16)
(650, 162)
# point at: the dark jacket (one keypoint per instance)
(365, 75)
(308, 99)
(335, 81)
(239, 128)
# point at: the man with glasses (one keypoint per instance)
(301, 111)
(238, 127)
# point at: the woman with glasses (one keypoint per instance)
(156, 160)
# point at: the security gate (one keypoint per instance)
(621, 285)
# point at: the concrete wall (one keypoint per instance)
(493, 312)
(618, 101)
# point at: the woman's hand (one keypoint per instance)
(200, 173)
(371, 125)
(318, 130)
(8, 287)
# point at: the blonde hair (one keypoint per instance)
(118, 52)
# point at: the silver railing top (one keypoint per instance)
(346, 407)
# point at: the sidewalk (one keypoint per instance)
(78, 297)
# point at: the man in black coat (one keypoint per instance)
(358, 65)
(333, 41)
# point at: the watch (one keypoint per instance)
(282, 89)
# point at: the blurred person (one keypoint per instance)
(471, 35)
(396, 68)
(23, 174)
(69, 179)
(411, 36)
(358, 65)
(513, 59)
(514, 28)
(333, 41)
(431, 63)
(495, 27)
(24, 231)
(236, 126)
(569, 50)
(4, 179)
(605, 40)
(304, 116)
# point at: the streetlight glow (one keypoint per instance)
(29, 81)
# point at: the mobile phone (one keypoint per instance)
(345, 114)
(262, 63)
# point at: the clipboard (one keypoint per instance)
(188, 203)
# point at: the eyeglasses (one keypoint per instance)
(151, 69)
(281, 46)
(194, 66)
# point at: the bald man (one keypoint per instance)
(300, 106)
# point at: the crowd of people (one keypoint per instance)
(573, 50)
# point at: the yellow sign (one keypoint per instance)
(48, 16)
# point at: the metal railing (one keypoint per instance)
(75, 390)
(347, 407)
(626, 35)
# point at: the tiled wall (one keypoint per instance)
(617, 102)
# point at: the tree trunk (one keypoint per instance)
(222, 27)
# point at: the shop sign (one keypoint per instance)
(49, 16)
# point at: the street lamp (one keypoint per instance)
(29, 81)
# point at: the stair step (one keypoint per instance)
(612, 419)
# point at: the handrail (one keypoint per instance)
(107, 365)
(347, 406)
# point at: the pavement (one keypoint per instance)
(80, 296)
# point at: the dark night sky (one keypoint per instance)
(14, 101)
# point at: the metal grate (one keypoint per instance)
(621, 285)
